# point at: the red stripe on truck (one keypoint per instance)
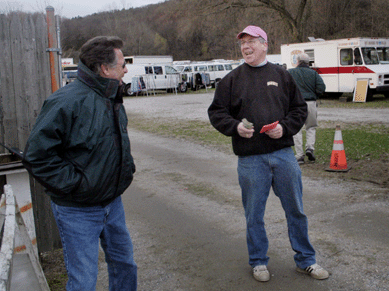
(344, 70)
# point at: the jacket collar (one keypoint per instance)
(103, 86)
(303, 65)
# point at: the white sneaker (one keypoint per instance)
(261, 273)
(315, 271)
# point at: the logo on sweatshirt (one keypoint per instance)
(272, 83)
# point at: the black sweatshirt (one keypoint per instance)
(262, 95)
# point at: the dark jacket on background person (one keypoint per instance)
(262, 95)
(79, 148)
(310, 83)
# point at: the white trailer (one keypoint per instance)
(149, 60)
(344, 61)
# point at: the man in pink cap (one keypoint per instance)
(259, 105)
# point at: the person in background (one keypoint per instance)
(255, 94)
(79, 150)
(311, 86)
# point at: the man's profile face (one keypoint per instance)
(115, 72)
(253, 51)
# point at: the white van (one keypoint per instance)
(145, 77)
(217, 71)
(194, 75)
(214, 71)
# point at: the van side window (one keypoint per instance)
(220, 68)
(357, 57)
(158, 70)
(149, 70)
(188, 69)
(228, 67)
(346, 57)
(170, 70)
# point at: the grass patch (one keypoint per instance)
(366, 146)
(361, 142)
(197, 131)
(369, 142)
(379, 101)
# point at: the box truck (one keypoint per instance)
(342, 62)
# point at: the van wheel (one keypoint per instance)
(333, 95)
(183, 87)
(128, 89)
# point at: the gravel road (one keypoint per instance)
(185, 216)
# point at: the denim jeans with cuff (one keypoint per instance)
(80, 229)
(279, 170)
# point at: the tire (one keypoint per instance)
(333, 95)
(183, 87)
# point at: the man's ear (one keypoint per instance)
(104, 72)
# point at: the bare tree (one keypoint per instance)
(293, 14)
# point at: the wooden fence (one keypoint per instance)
(24, 85)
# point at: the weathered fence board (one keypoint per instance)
(24, 85)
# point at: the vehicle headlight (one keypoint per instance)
(380, 80)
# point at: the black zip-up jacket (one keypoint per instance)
(262, 95)
(79, 148)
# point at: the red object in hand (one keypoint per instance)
(268, 127)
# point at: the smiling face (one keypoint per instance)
(253, 49)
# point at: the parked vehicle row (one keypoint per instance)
(213, 70)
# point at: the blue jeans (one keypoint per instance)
(281, 171)
(80, 229)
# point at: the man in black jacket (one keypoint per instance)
(311, 86)
(79, 151)
(261, 95)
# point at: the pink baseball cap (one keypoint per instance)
(254, 31)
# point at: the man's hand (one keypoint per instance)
(245, 132)
(275, 133)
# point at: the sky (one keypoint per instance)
(72, 8)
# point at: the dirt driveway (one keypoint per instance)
(185, 216)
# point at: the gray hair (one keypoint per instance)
(303, 58)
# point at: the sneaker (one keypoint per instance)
(310, 155)
(314, 271)
(261, 273)
(300, 160)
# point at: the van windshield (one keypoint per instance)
(374, 56)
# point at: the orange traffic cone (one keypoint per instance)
(338, 161)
